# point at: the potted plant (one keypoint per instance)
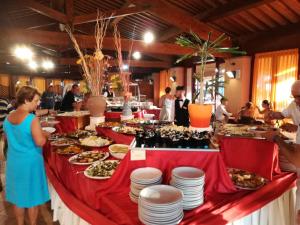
(204, 50)
(94, 67)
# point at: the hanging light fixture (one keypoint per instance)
(148, 37)
(137, 55)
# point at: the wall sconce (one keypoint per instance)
(173, 78)
(235, 74)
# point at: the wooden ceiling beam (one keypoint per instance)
(171, 32)
(180, 18)
(46, 11)
(133, 63)
(88, 18)
(127, 4)
(85, 41)
(233, 7)
(69, 9)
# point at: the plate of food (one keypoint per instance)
(246, 180)
(127, 130)
(56, 136)
(109, 124)
(118, 150)
(63, 142)
(95, 141)
(101, 170)
(70, 150)
(80, 134)
(89, 157)
(49, 129)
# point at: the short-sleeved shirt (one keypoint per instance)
(293, 112)
(220, 112)
(5, 109)
(67, 102)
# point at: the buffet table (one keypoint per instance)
(107, 201)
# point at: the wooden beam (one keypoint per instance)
(88, 18)
(171, 32)
(233, 7)
(180, 18)
(44, 10)
(127, 4)
(133, 63)
(69, 9)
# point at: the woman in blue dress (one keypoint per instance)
(26, 182)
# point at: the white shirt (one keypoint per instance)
(181, 102)
(220, 112)
(293, 112)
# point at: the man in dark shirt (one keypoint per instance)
(181, 108)
(48, 99)
(68, 103)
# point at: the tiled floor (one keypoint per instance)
(7, 216)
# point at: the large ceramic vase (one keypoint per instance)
(96, 105)
(200, 115)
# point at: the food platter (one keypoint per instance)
(56, 136)
(126, 130)
(88, 158)
(80, 134)
(246, 180)
(101, 170)
(49, 129)
(95, 141)
(118, 150)
(109, 124)
(70, 150)
(64, 142)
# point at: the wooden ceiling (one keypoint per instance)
(255, 25)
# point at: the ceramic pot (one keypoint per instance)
(200, 115)
(96, 105)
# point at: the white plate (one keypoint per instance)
(161, 195)
(49, 129)
(95, 177)
(190, 173)
(85, 153)
(145, 175)
(116, 154)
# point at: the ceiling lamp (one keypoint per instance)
(125, 67)
(32, 65)
(136, 55)
(23, 53)
(48, 65)
(148, 37)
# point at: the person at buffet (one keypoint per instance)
(266, 111)
(26, 182)
(221, 113)
(166, 103)
(48, 98)
(181, 108)
(246, 115)
(5, 109)
(68, 103)
(108, 92)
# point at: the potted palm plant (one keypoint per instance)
(204, 50)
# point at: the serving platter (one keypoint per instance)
(88, 157)
(106, 167)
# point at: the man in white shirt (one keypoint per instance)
(221, 112)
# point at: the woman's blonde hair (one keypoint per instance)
(26, 93)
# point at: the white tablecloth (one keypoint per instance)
(281, 211)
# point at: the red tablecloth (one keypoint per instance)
(117, 115)
(107, 202)
(258, 156)
(67, 124)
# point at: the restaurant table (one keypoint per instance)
(71, 123)
(116, 116)
(90, 201)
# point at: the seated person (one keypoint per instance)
(221, 113)
(266, 111)
(246, 115)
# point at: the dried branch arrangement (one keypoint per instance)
(124, 75)
(95, 65)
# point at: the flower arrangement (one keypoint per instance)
(95, 65)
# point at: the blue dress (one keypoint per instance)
(26, 182)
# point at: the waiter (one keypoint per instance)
(181, 108)
(68, 103)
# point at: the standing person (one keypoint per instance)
(26, 182)
(108, 92)
(266, 111)
(5, 109)
(48, 98)
(221, 113)
(181, 108)
(68, 103)
(166, 103)
(246, 115)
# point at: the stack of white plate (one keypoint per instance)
(141, 178)
(190, 181)
(160, 204)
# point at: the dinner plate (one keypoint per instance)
(145, 175)
(117, 155)
(106, 155)
(97, 177)
(97, 146)
(60, 142)
(190, 173)
(49, 129)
